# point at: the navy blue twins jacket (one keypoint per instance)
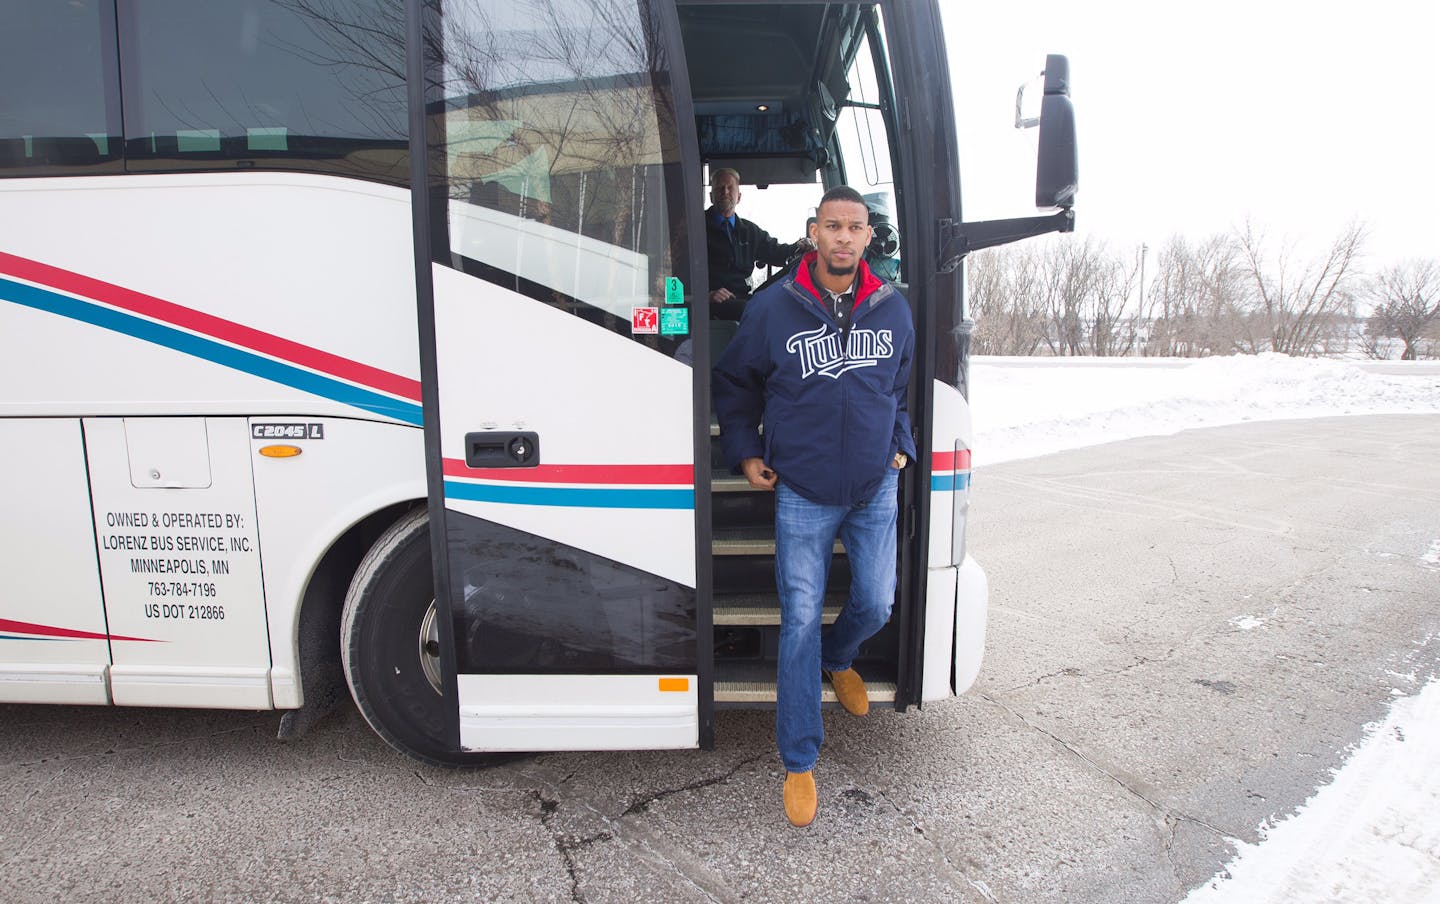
(834, 417)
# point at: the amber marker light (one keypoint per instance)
(280, 451)
(673, 685)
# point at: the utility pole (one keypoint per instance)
(1143, 248)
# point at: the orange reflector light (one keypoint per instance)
(280, 451)
(674, 684)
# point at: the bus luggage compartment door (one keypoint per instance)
(53, 643)
(174, 514)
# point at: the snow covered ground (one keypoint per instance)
(1373, 833)
(1025, 407)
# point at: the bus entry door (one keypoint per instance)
(563, 390)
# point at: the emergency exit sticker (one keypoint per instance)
(644, 320)
(674, 291)
(674, 322)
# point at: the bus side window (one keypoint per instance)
(60, 110)
(266, 85)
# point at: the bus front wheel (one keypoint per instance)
(390, 647)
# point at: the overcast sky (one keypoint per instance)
(1192, 117)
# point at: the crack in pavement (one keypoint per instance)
(1169, 814)
(1068, 672)
(548, 795)
(641, 805)
(1075, 672)
(567, 844)
(978, 885)
(629, 833)
(1170, 819)
(1142, 660)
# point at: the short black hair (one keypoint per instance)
(841, 193)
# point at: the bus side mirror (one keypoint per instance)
(1057, 176)
(1057, 169)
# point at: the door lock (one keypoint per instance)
(521, 449)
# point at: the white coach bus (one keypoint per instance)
(325, 363)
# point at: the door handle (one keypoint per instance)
(502, 449)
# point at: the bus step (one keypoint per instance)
(762, 607)
(752, 693)
(758, 615)
(731, 483)
(749, 542)
(743, 547)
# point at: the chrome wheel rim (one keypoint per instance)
(430, 646)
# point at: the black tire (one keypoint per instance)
(380, 645)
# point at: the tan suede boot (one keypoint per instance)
(850, 691)
(800, 802)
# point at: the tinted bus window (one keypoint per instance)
(272, 84)
(59, 88)
(561, 157)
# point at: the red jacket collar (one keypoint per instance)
(867, 284)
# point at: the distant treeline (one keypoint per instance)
(1222, 295)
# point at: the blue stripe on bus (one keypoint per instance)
(578, 497)
(20, 637)
(209, 350)
(948, 483)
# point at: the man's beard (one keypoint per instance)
(840, 271)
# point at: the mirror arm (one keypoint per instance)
(959, 239)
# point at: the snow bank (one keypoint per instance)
(1024, 407)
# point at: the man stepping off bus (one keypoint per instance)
(822, 360)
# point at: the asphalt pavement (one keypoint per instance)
(1186, 633)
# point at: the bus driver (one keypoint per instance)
(734, 247)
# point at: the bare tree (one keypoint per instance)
(1300, 310)
(1113, 324)
(1069, 298)
(1198, 290)
(986, 301)
(1067, 274)
(1004, 301)
(1407, 305)
(1086, 291)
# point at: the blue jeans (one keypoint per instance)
(805, 534)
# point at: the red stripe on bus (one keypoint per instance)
(210, 325)
(70, 633)
(669, 475)
(950, 461)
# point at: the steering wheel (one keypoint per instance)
(785, 269)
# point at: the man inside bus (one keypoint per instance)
(735, 247)
(822, 360)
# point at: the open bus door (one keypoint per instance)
(830, 94)
(557, 331)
